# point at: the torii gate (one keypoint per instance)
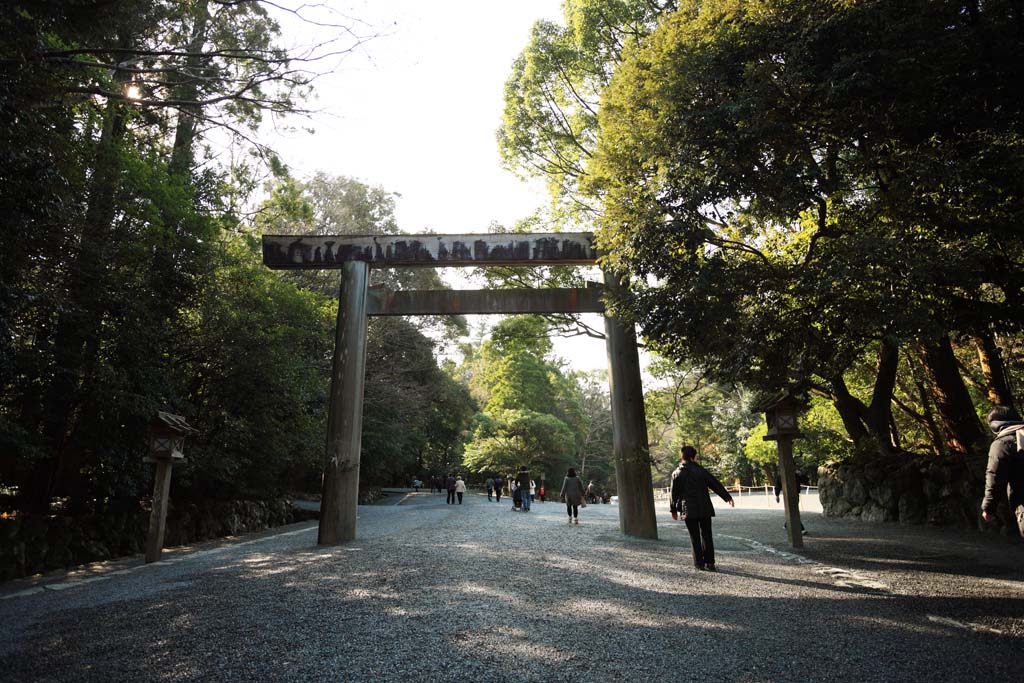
(354, 256)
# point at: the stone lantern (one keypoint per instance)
(781, 416)
(781, 412)
(167, 434)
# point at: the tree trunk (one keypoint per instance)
(927, 409)
(879, 415)
(185, 131)
(956, 410)
(849, 409)
(76, 340)
(871, 421)
(995, 372)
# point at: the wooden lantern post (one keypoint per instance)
(167, 434)
(781, 413)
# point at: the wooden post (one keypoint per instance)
(790, 492)
(340, 497)
(629, 429)
(158, 516)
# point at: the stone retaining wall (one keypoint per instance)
(909, 489)
(30, 544)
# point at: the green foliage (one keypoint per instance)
(779, 223)
(415, 416)
(823, 440)
(550, 124)
(129, 282)
(535, 413)
(256, 368)
(714, 419)
(508, 439)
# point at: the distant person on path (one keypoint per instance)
(1005, 471)
(572, 495)
(690, 498)
(591, 493)
(801, 480)
(533, 491)
(498, 483)
(460, 488)
(523, 479)
(450, 485)
(540, 492)
(489, 484)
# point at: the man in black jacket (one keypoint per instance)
(690, 498)
(1005, 473)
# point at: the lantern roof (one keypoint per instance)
(786, 398)
(172, 422)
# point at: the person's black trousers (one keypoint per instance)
(700, 539)
(451, 498)
(459, 494)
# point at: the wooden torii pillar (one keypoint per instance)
(354, 256)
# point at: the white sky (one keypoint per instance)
(415, 110)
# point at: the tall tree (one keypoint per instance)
(102, 108)
(760, 167)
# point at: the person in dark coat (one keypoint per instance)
(572, 495)
(450, 485)
(690, 498)
(523, 478)
(1005, 472)
(498, 483)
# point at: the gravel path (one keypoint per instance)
(432, 592)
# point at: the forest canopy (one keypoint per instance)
(819, 197)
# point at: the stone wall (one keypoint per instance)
(31, 544)
(945, 490)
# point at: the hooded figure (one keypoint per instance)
(1005, 472)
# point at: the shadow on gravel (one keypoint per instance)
(525, 603)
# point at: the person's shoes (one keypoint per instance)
(698, 567)
(710, 568)
(570, 520)
(576, 521)
(803, 532)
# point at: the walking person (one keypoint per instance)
(533, 491)
(690, 498)
(1005, 472)
(489, 485)
(498, 483)
(450, 486)
(572, 495)
(523, 479)
(460, 488)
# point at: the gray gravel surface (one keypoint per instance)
(433, 592)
